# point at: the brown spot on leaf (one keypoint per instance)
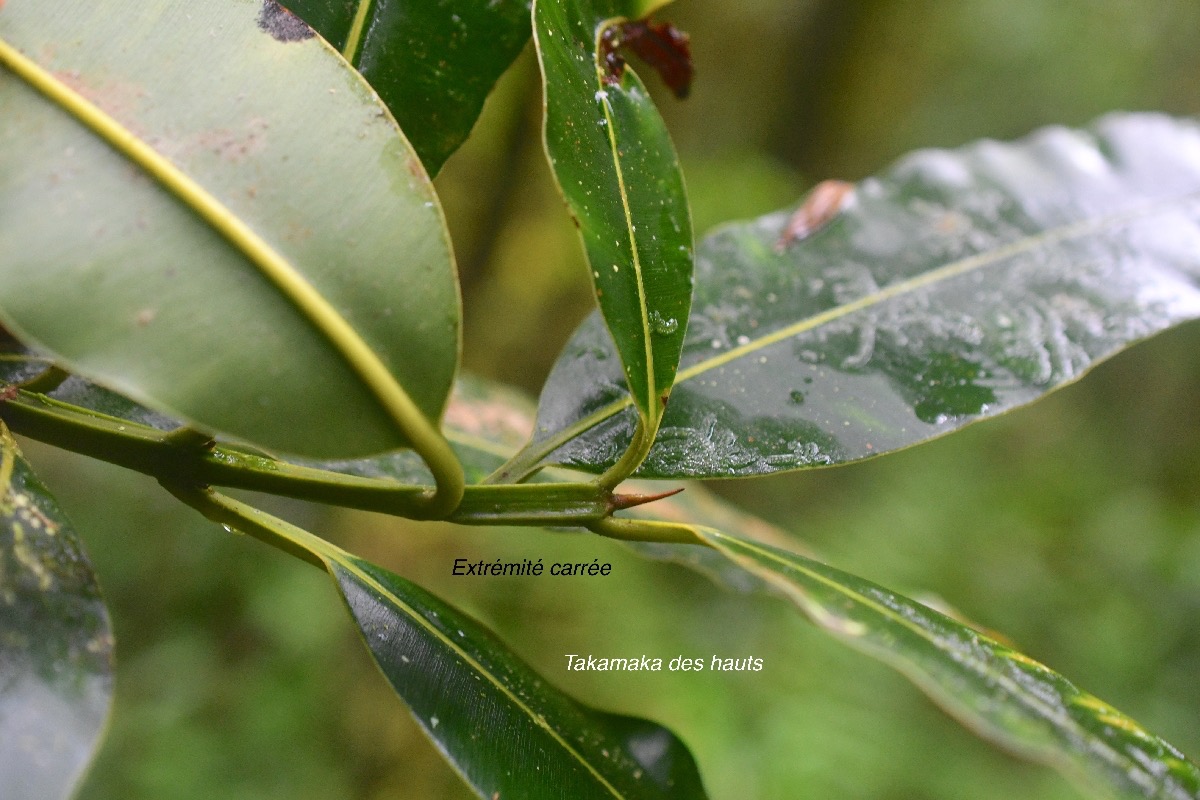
(660, 44)
(282, 24)
(824, 202)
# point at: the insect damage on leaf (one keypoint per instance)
(823, 204)
(282, 24)
(660, 44)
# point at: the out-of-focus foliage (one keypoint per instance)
(1071, 527)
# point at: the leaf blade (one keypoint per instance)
(160, 332)
(433, 63)
(997, 692)
(55, 640)
(956, 286)
(619, 175)
(579, 751)
(508, 732)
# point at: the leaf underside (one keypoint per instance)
(165, 305)
(956, 286)
(55, 641)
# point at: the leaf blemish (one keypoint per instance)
(283, 25)
(660, 44)
(823, 204)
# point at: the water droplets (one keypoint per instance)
(663, 326)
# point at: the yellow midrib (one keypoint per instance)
(1046, 710)
(945, 272)
(357, 32)
(345, 562)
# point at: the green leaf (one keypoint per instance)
(620, 177)
(958, 285)
(995, 691)
(17, 362)
(433, 62)
(207, 211)
(508, 732)
(55, 641)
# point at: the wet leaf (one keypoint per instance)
(55, 641)
(263, 227)
(433, 62)
(620, 177)
(506, 730)
(994, 690)
(958, 285)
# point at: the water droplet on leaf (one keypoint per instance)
(663, 325)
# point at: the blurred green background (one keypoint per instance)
(1072, 527)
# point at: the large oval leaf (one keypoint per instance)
(204, 208)
(958, 285)
(999, 693)
(620, 177)
(508, 732)
(433, 62)
(55, 641)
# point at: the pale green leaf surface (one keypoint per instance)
(620, 177)
(996, 691)
(957, 285)
(105, 267)
(55, 641)
(433, 62)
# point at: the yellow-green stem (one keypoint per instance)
(424, 436)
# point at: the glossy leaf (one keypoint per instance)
(254, 248)
(507, 731)
(999, 693)
(55, 641)
(620, 178)
(958, 285)
(433, 62)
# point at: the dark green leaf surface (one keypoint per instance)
(433, 62)
(167, 306)
(507, 731)
(997, 692)
(55, 641)
(620, 177)
(958, 285)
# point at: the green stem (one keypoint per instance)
(639, 530)
(395, 402)
(639, 448)
(249, 520)
(176, 456)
